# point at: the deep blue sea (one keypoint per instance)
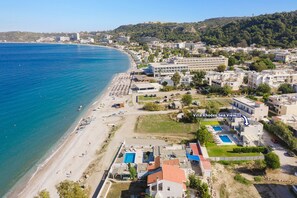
(41, 87)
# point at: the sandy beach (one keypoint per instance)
(80, 147)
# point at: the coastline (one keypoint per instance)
(69, 136)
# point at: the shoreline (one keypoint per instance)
(69, 136)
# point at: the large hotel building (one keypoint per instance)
(202, 63)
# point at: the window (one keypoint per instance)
(168, 188)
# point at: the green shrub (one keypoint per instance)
(272, 160)
(150, 106)
(241, 179)
(258, 179)
(252, 149)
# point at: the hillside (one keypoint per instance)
(172, 31)
(275, 30)
(271, 30)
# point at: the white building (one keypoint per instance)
(170, 181)
(64, 38)
(146, 87)
(251, 134)
(273, 78)
(202, 63)
(285, 104)
(253, 110)
(86, 41)
(234, 79)
(165, 69)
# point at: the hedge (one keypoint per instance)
(253, 149)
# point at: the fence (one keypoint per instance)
(261, 157)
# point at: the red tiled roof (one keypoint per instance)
(169, 173)
(173, 162)
(206, 164)
(194, 148)
(155, 165)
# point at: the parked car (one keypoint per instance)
(294, 188)
(290, 154)
(188, 92)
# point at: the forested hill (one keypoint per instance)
(276, 30)
(173, 31)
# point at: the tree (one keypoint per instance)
(133, 172)
(221, 68)
(212, 108)
(151, 58)
(187, 99)
(263, 89)
(71, 189)
(176, 78)
(43, 194)
(203, 135)
(272, 160)
(198, 78)
(226, 90)
(262, 64)
(231, 61)
(286, 88)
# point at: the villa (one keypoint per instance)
(168, 181)
(250, 134)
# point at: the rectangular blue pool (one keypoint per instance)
(129, 158)
(225, 139)
(217, 128)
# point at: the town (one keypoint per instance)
(191, 119)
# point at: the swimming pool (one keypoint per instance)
(129, 158)
(217, 128)
(225, 139)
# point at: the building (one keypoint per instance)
(75, 37)
(64, 39)
(285, 104)
(145, 87)
(273, 78)
(284, 57)
(230, 78)
(165, 69)
(169, 181)
(254, 110)
(290, 120)
(123, 39)
(202, 63)
(86, 41)
(251, 134)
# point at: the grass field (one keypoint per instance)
(163, 124)
(225, 151)
(210, 122)
(126, 189)
(142, 98)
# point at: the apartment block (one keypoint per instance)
(164, 69)
(253, 110)
(230, 78)
(285, 104)
(273, 78)
(202, 63)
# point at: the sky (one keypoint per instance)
(98, 15)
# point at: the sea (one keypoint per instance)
(41, 89)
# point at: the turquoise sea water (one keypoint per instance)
(41, 87)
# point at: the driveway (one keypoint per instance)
(288, 164)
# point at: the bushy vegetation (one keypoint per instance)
(201, 187)
(286, 88)
(241, 179)
(272, 160)
(277, 30)
(252, 149)
(151, 106)
(71, 189)
(283, 132)
(133, 172)
(203, 135)
(212, 108)
(43, 194)
(187, 99)
(262, 64)
(167, 88)
(258, 178)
